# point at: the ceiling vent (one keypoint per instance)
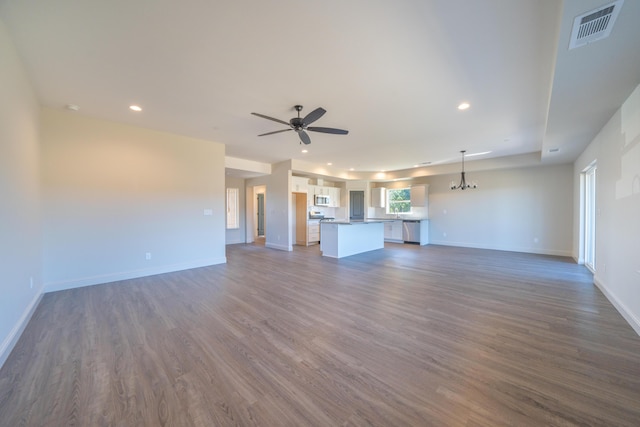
(594, 25)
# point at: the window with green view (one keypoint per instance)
(398, 200)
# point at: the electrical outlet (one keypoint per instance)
(535, 240)
(444, 234)
(148, 255)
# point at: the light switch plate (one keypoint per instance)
(208, 212)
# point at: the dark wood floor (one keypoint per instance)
(405, 336)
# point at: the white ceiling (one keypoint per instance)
(392, 73)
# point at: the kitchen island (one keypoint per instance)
(343, 238)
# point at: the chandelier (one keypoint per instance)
(463, 181)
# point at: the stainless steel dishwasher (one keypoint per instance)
(411, 231)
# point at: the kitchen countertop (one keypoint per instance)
(369, 220)
(347, 222)
(398, 219)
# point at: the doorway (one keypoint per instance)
(356, 205)
(589, 215)
(261, 215)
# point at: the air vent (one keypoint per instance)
(594, 25)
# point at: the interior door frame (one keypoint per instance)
(589, 216)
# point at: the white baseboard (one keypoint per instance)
(13, 337)
(234, 241)
(287, 248)
(133, 274)
(622, 309)
(541, 251)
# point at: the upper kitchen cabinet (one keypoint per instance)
(299, 184)
(419, 195)
(321, 190)
(379, 197)
(334, 197)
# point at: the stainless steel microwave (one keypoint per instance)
(321, 200)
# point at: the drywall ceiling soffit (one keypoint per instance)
(592, 81)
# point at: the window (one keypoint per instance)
(398, 200)
(233, 218)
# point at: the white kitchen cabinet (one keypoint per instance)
(321, 191)
(378, 197)
(334, 197)
(419, 195)
(313, 231)
(311, 192)
(393, 231)
(299, 184)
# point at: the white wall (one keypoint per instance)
(510, 209)
(616, 149)
(20, 256)
(278, 209)
(113, 192)
(237, 235)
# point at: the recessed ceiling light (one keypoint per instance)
(72, 107)
(135, 108)
(464, 106)
(305, 151)
(416, 166)
(351, 169)
(329, 164)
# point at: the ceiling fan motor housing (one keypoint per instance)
(297, 123)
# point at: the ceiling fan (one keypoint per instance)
(301, 125)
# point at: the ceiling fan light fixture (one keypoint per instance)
(301, 124)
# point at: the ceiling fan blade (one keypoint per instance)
(304, 137)
(271, 118)
(328, 130)
(276, 131)
(313, 116)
